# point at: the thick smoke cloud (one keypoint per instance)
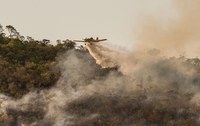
(158, 91)
(179, 35)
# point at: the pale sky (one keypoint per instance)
(77, 19)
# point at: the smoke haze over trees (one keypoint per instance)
(57, 85)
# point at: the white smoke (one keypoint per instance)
(103, 55)
(83, 97)
(148, 89)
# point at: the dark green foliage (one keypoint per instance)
(25, 65)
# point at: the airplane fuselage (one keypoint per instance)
(90, 40)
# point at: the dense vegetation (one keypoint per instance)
(25, 64)
(161, 92)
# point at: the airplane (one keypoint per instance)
(90, 40)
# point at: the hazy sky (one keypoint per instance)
(77, 19)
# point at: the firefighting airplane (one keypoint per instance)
(90, 40)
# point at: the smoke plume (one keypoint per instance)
(177, 36)
(157, 91)
(146, 88)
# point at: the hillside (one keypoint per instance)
(57, 85)
(28, 65)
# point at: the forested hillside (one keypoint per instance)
(155, 91)
(26, 64)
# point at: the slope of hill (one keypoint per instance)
(27, 65)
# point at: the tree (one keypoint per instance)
(30, 39)
(45, 41)
(18, 36)
(22, 38)
(68, 44)
(58, 41)
(1, 31)
(12, 31)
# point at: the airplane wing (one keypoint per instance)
(102, 40)
(78, 41)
